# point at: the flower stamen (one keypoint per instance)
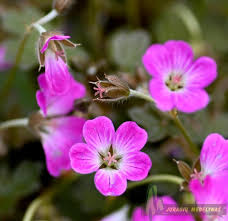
(99, 90)
(197, 175)
(110, 159)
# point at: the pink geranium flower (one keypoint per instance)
(59, 133)
(114, 156)
(52, 56)
(139, 214)
(213, 159)
(178, 81)
(209, 185)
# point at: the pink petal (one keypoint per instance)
(161, 94)
(53, 38)
(84, 159)
(41, 101)
(136, 166)
(212, 191)
(110, 182)
(139, 215)
(181, 55)
(160, 60)
(57, 74)
(157, 60)
(191, 100)
(58, 104)
(202, 73)
(99, 133)
(61, 134)
(129, 137)
(214, 156)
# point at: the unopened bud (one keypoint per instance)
(184, 169)
(61, 5)
(111, 89)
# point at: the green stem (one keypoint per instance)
(141, 95)
(48, 195)
(9, 82)
(157, 178)
(184, 132)
(23, 122)
(33, 208)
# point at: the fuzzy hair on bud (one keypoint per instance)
(111, 89)
(62, 5)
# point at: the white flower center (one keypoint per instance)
(175, 82)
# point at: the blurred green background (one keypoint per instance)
(114, 34)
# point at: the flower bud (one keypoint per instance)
(61, 5)
(184, 169)
(111, 89)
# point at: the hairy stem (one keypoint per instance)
(157, 178)
(23, 122)
(141, 95)
(184, 132)
(39, 28)
(50, 16)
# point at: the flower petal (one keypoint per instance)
(212, 191)
(191, 100)
(157, 60)
(57, 74)
(181, 55)
(53, 38)
(162, 96)
(129, 137)
(99, 133)
(61, 134)
(58, 104)
(139, 215)
(110, 182)
(84, 159)
(202, 73)
(214, 156)
(136, 166)
(160, 60)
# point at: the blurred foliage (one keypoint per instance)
(17, 184)
(113, 35)
(127, 47)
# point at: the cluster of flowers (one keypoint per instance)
(94, 145)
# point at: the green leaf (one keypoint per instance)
(14, 186)
(127, 48)
(169, 26)
(201, 124)
(156, 126)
